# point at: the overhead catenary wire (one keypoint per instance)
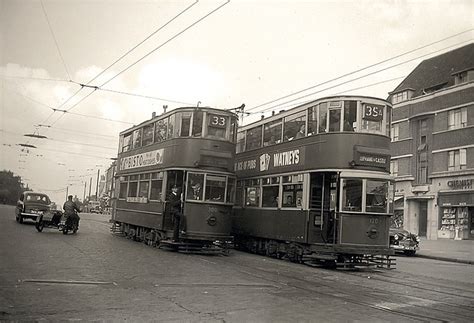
(361, 69)
(360, 77)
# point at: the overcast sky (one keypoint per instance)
(250, 52)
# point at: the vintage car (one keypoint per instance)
(31, 205)
(403, 241)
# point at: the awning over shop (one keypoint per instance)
(465, 198)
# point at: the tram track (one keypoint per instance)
(345, 294)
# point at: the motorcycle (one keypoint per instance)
(56, 219)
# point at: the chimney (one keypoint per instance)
(273, 113)
(153, 114)
(164, 108)
(262, 117)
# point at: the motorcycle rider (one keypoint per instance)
(70, 211)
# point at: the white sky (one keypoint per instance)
(247, 52)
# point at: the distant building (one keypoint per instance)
(433, 146)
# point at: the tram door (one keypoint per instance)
(174, 178)
(322, 205)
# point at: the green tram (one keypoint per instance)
(192, 149)
(314, 184)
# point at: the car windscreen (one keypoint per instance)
(37, 198)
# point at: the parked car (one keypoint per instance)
(403, 241)
(31, 205)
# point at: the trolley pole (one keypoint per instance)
(97, 186)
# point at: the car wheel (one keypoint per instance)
(410, 253)
(39, 226)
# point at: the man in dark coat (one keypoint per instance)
(175, 210)
(70, 211)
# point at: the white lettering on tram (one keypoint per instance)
(286, 158)
(150, 158)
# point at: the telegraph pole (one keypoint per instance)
(97, 186)
(90, 184)
(85, 187)
(67, 191)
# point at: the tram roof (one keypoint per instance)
(180, 109)
(302, 107)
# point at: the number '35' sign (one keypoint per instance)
(217, 121)
(373, 112)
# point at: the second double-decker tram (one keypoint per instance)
(313, 183)
(191, 149)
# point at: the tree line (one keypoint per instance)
(10, 187)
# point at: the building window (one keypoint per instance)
(464, 77)
(400, 97)
(394, 167)
(395, 133)
(457, 160)
(457, 118)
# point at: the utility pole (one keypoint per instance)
(90, 184)
(97, 186)
(67, 191)
(85, 187)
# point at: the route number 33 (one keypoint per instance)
(217, 121)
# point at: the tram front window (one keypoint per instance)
(352, 195)
(376, 197)
(215, 188)
(195, 185)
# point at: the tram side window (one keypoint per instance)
(239, 193)
(272, 133)
(171, 123)
(127, 142)
(240, 141)
(215, 188)
(161, 127)
(292, 191)
(376, 196)
(133, 186)
(148, 135)
(270, 191)
(252, 192)
(156, 186)
(217, 126)
(183, 124)
(352, 195)
(230, 195)
(334, 120)
(312, 120)
(350, 115)
(123, 188)
(195, 186)
(254, 138)
(197, 123)
(137, 138)
(323, 115)
(144, 185)
(295, 126)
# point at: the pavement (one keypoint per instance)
(461, 251)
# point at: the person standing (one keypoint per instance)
(175, 210)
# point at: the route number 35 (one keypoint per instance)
(217, 121)
(373, 112)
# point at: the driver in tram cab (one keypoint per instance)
(70, 210)
(175, 210)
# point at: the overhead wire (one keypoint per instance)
(361, 69)
(357, 78)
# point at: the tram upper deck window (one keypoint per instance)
(127, 142)
(183, 124)
(171, 123)
(197, 123)
(272, 133)
(334, 116)
(161, 128)
(137, 138)
(376, 196)
(156, 186)
(323, 116)
(372, 118)
(195, 187)
(240, 141)
(254, 138)
(312, 120)
(352, 195)
(295, 126)
(217, 125)
(148, 131)
(350, 115)
(215, 188)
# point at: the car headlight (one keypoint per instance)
(417, 238)
(396, 237)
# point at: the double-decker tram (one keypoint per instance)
(193, 150)
(314, 184)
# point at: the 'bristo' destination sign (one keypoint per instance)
(150, 158)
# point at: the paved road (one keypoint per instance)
(95, 275)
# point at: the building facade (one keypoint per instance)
(433, 147)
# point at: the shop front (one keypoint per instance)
(456, 209)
